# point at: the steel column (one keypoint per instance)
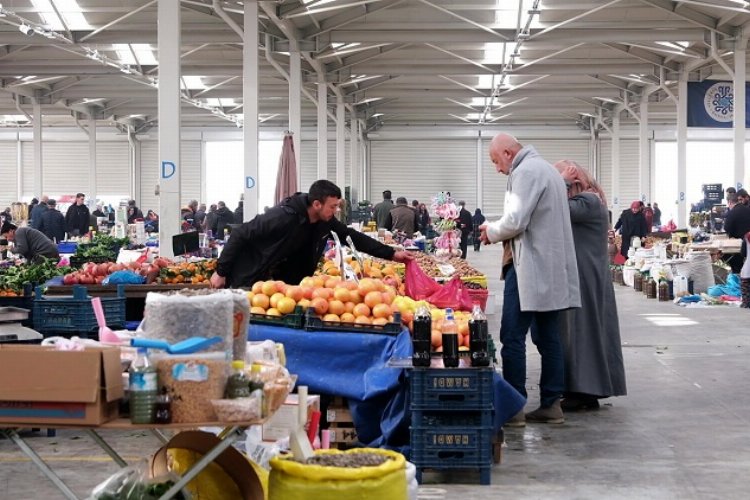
(295, 109)
(92, 158)
(682, 210)
(480, 173)
(354, 155)
(322, 127)
(616, 202)
(644, 186)
(250, 109)
(38, 170)
(169, 23)
(740, 72)
(340, 144)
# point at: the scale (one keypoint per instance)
(11, 330)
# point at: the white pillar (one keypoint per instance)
(169, 166)
(616, 201)
(644, 187)
(19, 166)
(250, 109)
(740, 72)
(38, 171)
(340, 144)
(322, 128)
(295, 109)
(354, 155)
(92, 158)
(363, 162)
(682, 207)
(480, 172)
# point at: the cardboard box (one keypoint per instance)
(338, 415)
(43, 386)
(343, 435)
(285, 418)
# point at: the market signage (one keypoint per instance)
(711, 104)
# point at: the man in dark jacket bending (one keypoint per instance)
(286, 242)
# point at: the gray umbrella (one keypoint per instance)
(286, 177)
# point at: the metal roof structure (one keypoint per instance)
(401, 62)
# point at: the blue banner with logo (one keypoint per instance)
(711, 104)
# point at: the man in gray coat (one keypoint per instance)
(543, 277)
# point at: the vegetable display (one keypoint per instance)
(101, 246)
(13, 279)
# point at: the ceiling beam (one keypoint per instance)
(644, 55)
(349, 16)
(689, 14)
(364, 56)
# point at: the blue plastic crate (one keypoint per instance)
(427, 418)
(75, 315)
(67, 247)
(484, 473)
(451, 388)
(451, 448)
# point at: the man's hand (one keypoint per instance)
(483, 235)
(218, 281)
(402, 256)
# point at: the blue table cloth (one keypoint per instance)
(354, 366)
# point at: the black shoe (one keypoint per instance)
(579, 403)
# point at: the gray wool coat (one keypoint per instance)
(537, 220)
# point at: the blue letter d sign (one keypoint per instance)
(167, 169)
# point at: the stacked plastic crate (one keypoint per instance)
(451, 419)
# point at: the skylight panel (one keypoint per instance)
(142, 51)
(70, 11)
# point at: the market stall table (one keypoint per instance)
(231, 433)
(356, 366)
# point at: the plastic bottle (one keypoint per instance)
(422, 337)
(450, 340)
(256, 384)
(238, 384)
(478, 334)
(143, 388)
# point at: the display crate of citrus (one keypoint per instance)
(188, 272)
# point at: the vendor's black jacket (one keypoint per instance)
(283, 244)
(737, 224)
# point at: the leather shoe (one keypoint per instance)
(518, 420)
(552, 414)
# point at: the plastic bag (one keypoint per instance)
(417, 284)
(453, 295)
(124, 278)
(133, 483)
(290, 480)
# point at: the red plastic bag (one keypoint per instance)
(453, 295)
(417, 284)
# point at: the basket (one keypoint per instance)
(75, 315)
(294, 319)
(314, 323)
(452, 388)
(67, 247)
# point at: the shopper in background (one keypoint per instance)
(657, 215)
(402, 218)
(53, 222)
(77, 217)
(199, 218)
(737, 224)
(210, 222)
(465, 225)
(287, 242)
(33, 203)
(648, 214)
(35, 215)
(476, 221)
(30, 243)
(382, 209)
(590, 335)
(151, 223)
(224, 217)
(134, 213)
(543, 277)
(239, 212)
(5, 215)
(631, 224)
(424, 218)
(743, 197)
(98, 212)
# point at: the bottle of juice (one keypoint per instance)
(478, 338)
(143, 388)
(422, 337)
(450, 340)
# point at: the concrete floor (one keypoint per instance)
(682, 432)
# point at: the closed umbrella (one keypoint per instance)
(286, 177)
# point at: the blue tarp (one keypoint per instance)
(354, 365)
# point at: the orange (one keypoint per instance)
(367, 285)
(350, 285)
(436, 338)
(332, 282)
(361, 310)
(342, 294)
(295, 293)
(269, 288)
(407, 317)
(332, 317)
(304, 303)
(257, 310)
(275, 298)
(380, 321)
(273, 312)
(336, 307)
(363, 320)
(319, 281)
(307, 291)
(349, 306)
(388, 297)
(260, 300)
(280, 286)
(381, 311)
(323, 293)
(463, 327)
(373, 298)
(286, 305)
(320, 305)
(257, 287)
(347, 318)
(307, 282)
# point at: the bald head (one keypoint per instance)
(503, 149)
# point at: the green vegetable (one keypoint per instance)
(102, 245)
(14, 278)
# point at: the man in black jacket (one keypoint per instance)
(286, 242)
(224, 217)
(77, 217)
(53, 222)
(737, 225)
(466, 226)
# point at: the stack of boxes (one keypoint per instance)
(451, 419)
(341, 425)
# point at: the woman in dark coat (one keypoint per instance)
(632, 223)
(590, 335)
